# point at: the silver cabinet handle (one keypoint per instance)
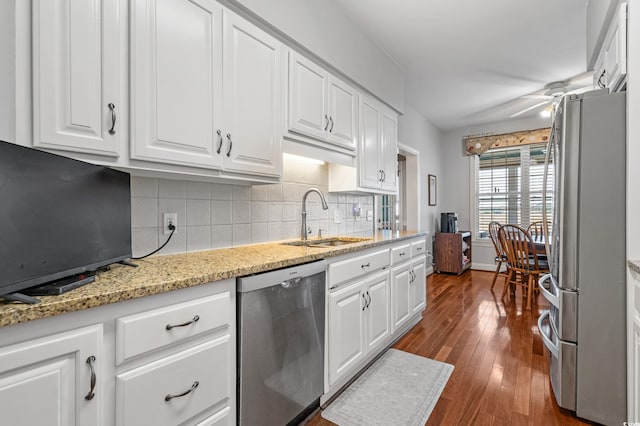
(379, 175)
(220, 141)
(600, 82)
(369, 302)
(384, 175)
(193, 321)
(331, 129)
(402, 254)
(365, 302)
(90, 361)
(230, 144)
(193, 387)
(418, 248)
(326, 119)
(365, 265)
(112, 108)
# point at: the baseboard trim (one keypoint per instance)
(429, 271)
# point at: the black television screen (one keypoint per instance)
(58, 217)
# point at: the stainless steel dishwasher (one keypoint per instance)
(280, 344)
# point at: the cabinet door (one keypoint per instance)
(378, 314)
(616, 50)
(176, 82)
(346, 330)
(400, 306)
(389, 151)
(418, 286)
(343, 113)
(307, 108)
(252, 112)
(45, 381)
(369, 154)
(78, 71)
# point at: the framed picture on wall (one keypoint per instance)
(432, 190)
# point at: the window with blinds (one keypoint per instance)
(509, 187)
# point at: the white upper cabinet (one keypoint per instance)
(307, 97)
(182, 111)
(389, 151)
(321, 106)
(370, 144)
(79, 83)
(176, 81)
(611, 67)
(343, 113)
(252, 98)
(377, 154)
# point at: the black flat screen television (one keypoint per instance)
(58, 217)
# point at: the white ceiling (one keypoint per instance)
(467, 62)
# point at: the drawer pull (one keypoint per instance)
(366, 266)
(369, 302)
(187, 392)
(90, 361)
(193, 321)
(419, 249)
(365, 302)
(402, 254)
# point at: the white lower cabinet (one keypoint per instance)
(50, 381)
(165, 359)
(408, 290)
(358, 322)
(174, 389)
(400, 294)
(418, 294)
(346, 330)
(369, 305)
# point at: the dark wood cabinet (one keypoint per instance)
(452, 252)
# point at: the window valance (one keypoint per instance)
(479, 144)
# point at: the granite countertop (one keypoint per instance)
(158, 274)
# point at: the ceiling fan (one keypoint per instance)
(552, 93)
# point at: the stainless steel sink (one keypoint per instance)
(327, 242)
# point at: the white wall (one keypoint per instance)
(455, 185)
(320, 27)
(417, 132)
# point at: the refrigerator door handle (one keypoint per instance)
(555, 351)
(547, 158)
(551, 297)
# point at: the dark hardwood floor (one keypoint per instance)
(501, 366)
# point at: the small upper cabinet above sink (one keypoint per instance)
(321, 106)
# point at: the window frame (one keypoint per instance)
(474, 168)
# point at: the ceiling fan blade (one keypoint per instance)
(536, 97)
(528, 109)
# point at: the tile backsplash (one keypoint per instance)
(212, 215)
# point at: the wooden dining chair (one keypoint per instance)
(536, 229)
(521, 257)
(501, 257)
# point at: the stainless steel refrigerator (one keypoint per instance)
(585, 327)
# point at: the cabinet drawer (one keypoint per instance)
(356, 266)
(418, 247)
(221, 418)
(141, 394)
(400, 254)
(140, 333)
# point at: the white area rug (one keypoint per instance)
(399, 389)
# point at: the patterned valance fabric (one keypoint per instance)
(477, 145)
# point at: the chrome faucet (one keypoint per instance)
(304, 232)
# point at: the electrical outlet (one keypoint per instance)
(169, 218)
